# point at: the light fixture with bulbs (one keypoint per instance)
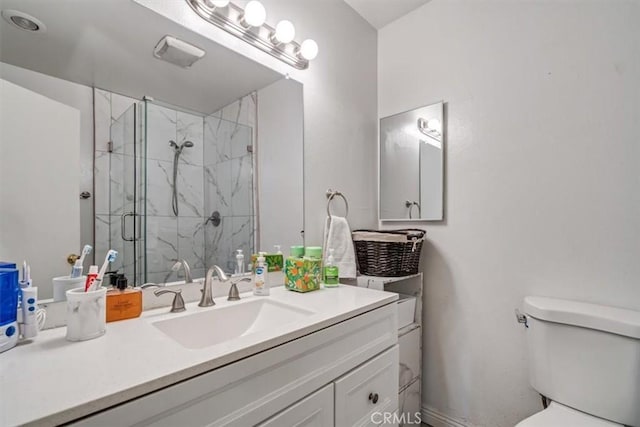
(249, 24)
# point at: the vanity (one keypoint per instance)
(329, 356)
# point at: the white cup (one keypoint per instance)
(64, 283)
(86, 314)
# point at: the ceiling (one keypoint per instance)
(109, 44)
(381, 12)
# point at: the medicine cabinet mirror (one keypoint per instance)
(412, 165)
(170, 162)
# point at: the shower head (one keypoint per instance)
(178, 148)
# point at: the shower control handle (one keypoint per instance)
(214, 219)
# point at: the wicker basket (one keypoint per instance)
(388, 253)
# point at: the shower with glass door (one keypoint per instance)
(181, 187)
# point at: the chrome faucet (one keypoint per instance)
(187, 271)
(178, 302)
(234, 295)
(207, 293)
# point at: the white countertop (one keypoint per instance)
(50, 380)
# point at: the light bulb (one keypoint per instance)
(217, 3)
(254, 13)
(309, 49)
(285, 32)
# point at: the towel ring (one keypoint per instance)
(330, 195)
(410, 205)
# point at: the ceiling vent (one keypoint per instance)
(177, 52)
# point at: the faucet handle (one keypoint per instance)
(178, 303)
(234, 295)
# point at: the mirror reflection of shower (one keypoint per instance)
(177, 150)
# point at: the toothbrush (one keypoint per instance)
(111, 256)
(85, 251)
(77, 269)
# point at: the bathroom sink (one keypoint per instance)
(220, 324)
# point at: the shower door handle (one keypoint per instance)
(123, 226)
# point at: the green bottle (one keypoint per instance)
(331, 274)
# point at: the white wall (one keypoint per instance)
(280, 153)
(39, 214)
(81, 98)
(542, 178)
(339, 109)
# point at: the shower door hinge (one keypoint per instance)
(249, 148)
(110, 146)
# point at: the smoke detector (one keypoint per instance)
(177, 52)
(23, 21)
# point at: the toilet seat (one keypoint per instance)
(557, 415)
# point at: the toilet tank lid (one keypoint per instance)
(593, 316)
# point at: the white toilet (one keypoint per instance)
(586, 359)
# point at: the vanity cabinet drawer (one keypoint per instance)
(315, 410)
(363, 395)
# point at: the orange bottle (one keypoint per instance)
(123, 304)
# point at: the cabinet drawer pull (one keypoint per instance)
(373, 397)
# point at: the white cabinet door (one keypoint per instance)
(315, 410)
(368, 395)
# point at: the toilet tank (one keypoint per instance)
(585, 356)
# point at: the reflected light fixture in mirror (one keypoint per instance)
(217, 3)
(254, 14)
(284, 33)
(309, 49)
(249, 24)
(430, 128)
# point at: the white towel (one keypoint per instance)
(337, 236)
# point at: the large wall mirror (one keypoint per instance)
(137, 154)
(412, 165)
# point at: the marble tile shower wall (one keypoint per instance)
(169, 236)
(216, 174)
(229, 181)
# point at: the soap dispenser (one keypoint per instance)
(260, 276)
(330, 273)
(239, 262)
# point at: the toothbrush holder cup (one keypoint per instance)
(64, 283)
(86, 314)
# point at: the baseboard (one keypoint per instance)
(437, 419)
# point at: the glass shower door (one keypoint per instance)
(125, 196)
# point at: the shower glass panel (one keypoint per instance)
(181, 187)
(126, 222)
(229, 195)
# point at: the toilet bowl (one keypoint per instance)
(557, 415)
(585, 358)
